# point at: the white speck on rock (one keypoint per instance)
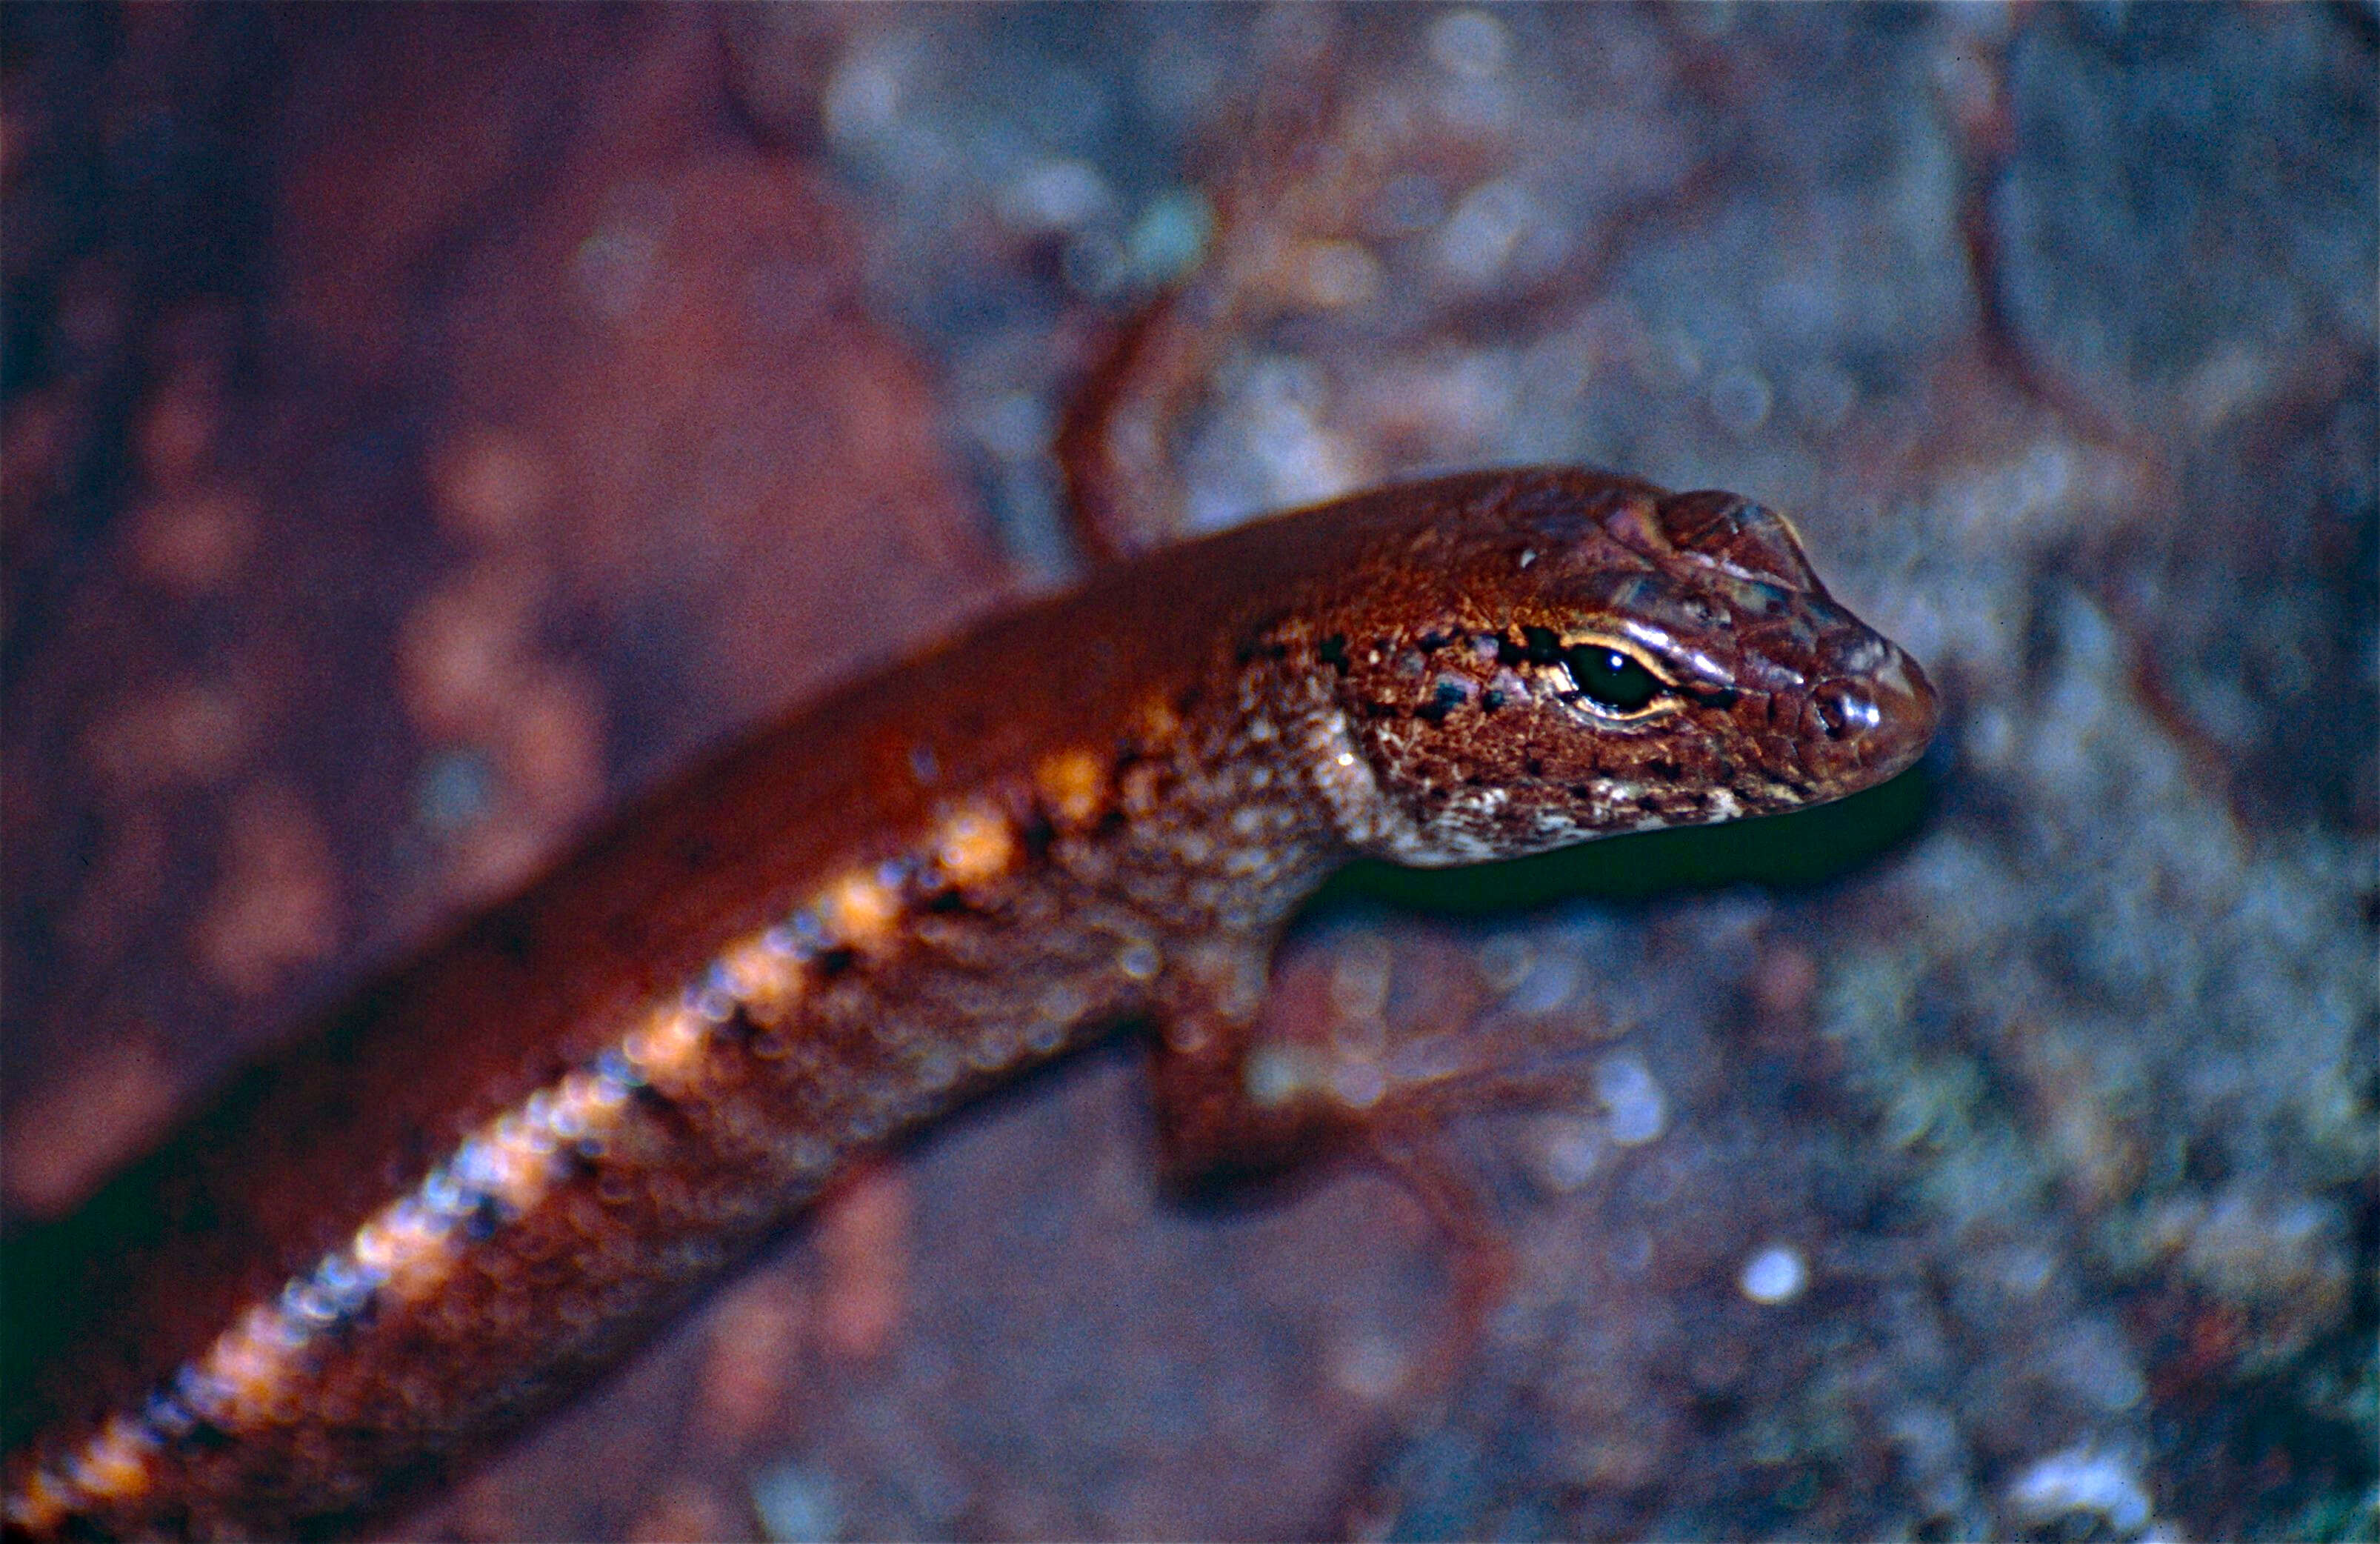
(1774, 1274)
(2083, 1479)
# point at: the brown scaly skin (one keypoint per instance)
(501, 1168)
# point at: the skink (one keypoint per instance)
(500, 1169)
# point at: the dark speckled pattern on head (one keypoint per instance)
(1462, 699)
(503, 1167)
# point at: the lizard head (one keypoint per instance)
(1568, 655)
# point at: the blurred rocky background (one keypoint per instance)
(425, 427)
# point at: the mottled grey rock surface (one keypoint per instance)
(423, 427)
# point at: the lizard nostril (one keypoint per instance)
(1877, 722)
(1845, 711)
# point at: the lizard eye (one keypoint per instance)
(1614, 680)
